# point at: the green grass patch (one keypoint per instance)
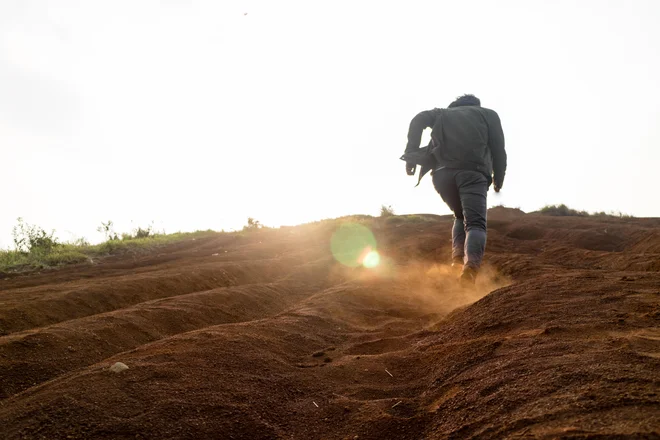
(411, 218)
(81, 252)
(63, 255)
(10, 259)
(564, 211)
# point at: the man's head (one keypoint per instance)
(464, 100)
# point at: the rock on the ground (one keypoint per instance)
(118, 367)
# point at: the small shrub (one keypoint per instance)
(386, 211)
(108, 230)
(616, 214)
(140, 232)
(563, 211)
(143, 233)
(33, 239)
(502, 205)
(252, 224)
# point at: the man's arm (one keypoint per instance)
(496, 145)
(423, 120)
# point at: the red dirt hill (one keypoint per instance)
(265, 336)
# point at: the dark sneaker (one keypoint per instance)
(469, 276)
(457, 265)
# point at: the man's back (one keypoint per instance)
(470, 138)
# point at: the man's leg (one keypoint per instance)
(445, 184)
(458, 241)
(473, 190)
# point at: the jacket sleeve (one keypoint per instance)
(496, 145)
(423, 120)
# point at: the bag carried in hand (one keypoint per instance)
(425, 156)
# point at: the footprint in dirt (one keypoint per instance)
(320, 357)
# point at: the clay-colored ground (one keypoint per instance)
(266, 337)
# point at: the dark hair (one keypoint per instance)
(464, 100)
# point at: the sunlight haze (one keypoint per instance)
(200, 114)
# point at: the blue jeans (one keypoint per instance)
(465, 193)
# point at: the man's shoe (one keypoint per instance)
(469, 276)
(457, 262)
(457, 265)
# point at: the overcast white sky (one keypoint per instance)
(195, 115)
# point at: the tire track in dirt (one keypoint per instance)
(288, 345)
(84, 341)
(23, 309)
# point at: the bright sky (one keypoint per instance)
(194, 115)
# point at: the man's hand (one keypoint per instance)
(497, 189)
(410, 168)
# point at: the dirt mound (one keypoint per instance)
(265, 336)
(504, 213)
(526, 232)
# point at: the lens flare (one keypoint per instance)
(371, 260)
(352, 243)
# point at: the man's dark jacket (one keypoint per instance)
(466, 138)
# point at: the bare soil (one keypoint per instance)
(265, 336)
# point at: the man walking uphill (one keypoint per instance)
(466, 155)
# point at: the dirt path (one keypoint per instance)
(265, 337)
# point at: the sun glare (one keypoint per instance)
(371, 260)
(354, 245)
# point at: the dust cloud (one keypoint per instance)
(431, 288)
